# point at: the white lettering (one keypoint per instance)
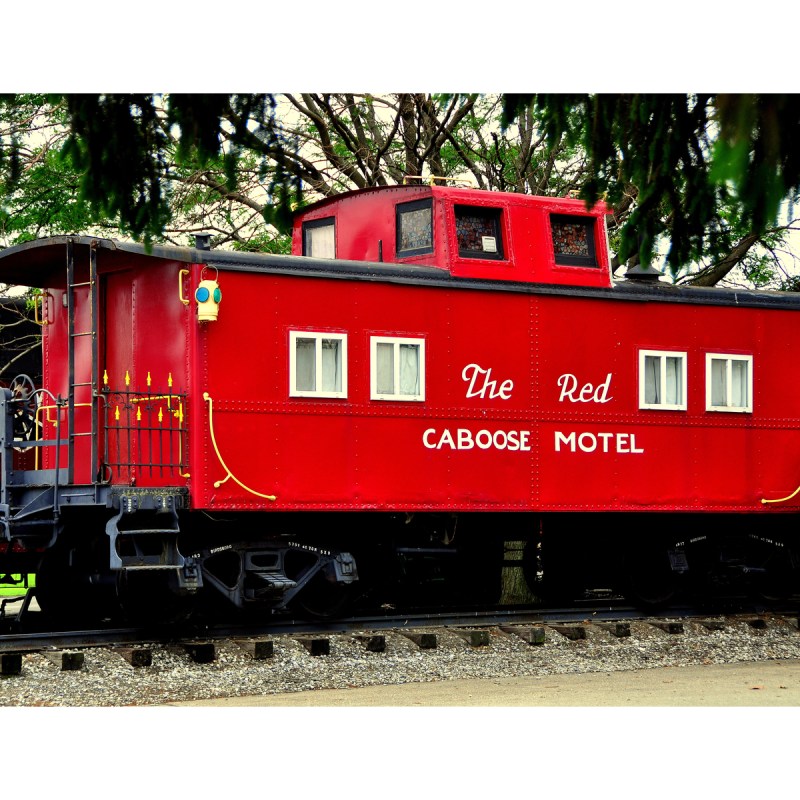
(446, 439)
(589, 442)
(568, 385)
(592, 442)
(489, 388)
(588, 392)
(465, 439)
(487, 440)
(601, 395)
(568, 440)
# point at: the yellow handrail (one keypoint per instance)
(217, 484)
(41, 319)
(49, 422)
(181, 273)
(764, 501)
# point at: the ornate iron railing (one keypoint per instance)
(144, 432)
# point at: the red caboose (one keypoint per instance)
(433, 372)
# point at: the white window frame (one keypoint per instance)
(663, 355)
(396, 341)
(318, 336)
(729, 358)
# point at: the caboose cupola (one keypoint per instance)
(467, 232)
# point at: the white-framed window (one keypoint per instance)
(662, 380)
(317, 364)
(729, 382)
(397, 368)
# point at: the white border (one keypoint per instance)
(318, 336)
(748, 409)
(663, 354)
(374, 341)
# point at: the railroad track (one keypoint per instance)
(137, 666)
(533, 625)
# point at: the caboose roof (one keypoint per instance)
(464, 193)
(38, 263)
(35, 263)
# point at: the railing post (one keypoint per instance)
(6, 455)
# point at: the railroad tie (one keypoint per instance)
(10, 663)
(257, 649)
(475, 638)
(66, 660)
(316, 647)
(425, 641)
(572, 632)
(374, 643)
(136, 656)
(201, 652)
(529, 635)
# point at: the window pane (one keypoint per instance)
(573, 241)
(674, 387)
(409, 369)
(471, 229)
(478, 232)
(331, 365)
(321, 242)
(384, 366)
(569, 239)
(719, 392)
(652, 380)
(305, 365)
(415, 229)
(739, 384)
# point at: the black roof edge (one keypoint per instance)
(276, 263)
(220, 258)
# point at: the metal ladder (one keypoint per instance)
(72, 337)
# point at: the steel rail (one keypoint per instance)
(30, 641)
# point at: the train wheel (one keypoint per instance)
(323, 597)
(775, 572)
(649, 578)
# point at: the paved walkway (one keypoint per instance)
(768, 683)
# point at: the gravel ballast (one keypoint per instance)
(107, 679)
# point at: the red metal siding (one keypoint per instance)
(366, 218)
(142, 330)
(362, 453)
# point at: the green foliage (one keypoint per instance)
(757, 151)
(266, 242)
(48, 206)
(696, 174)
(666, 147)
(117, 146)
